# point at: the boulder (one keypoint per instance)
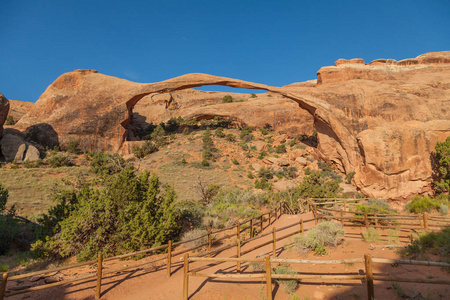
(301, 161)
(257, 167)
(32, 153)
(259, 145)
(12, 147)
(284, 184)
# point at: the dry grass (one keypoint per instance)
(31, 189)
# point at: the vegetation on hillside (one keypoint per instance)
(442, 185)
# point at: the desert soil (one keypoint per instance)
(148, 283)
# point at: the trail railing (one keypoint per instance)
(253, 225)
(369, 276)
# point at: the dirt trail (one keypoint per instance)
(149, 284)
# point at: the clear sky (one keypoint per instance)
(264, 41)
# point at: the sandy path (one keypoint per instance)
(149, 284)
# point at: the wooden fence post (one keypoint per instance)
(274, 234)
(98, 289)
(270, 217)
(169, 258)
(425, 221)
(238, 248)
(261, 223)
(301, 226)
(345, 207)
(375, 217)
(369, 276)
(209, 239)
(251, 227)
(3, 285)
(366, 220)
(186, 276)
(268, 278)
(342, 217)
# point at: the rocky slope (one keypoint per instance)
(380, 120)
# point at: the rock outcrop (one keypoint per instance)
(4, 109)
(379, 120)
(19, 108)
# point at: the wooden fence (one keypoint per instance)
(256, 224)
(253, 225)
(268, 275)
(340, 211)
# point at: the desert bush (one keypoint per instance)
(289, 285)
(349, 177)
(147, 148)
(393, 236)
(281, 148)
(192, 234)
(29, 164)
(443, 166)
(315, 185)
(107, 164)
(380, 206)
(230, 137)
(421, 204)
(219, 132)
(73, 147)
(57, 161)
(443, 209)
(265, 173)
(158, 136)
(371, 235)
(130, 212)
(10, 120)
(227, 99)
(257, 266)
(437, 243)
(325, 234)
(246, 134)
(191, 213)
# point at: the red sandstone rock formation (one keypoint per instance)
(380, 120)
(4, 109)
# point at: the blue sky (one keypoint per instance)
(270, 42)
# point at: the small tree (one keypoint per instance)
(227, 99)
(443, 160)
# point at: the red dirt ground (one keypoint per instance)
(148, 283)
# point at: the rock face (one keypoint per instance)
(18, 108)
(380, 120)
(4, 109)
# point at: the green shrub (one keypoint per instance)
(74, 147)
(437, 243)
(371, 235)
(443, 166)
(265, 173)
(131, 212)
(227, 99)
(186, 131)
(250, 175)
(443, 209)
(219, 132)
(380, 206)
(246, 134)
(289, 285)
(230, 137)
(349, 177)
(107, 164)
(281, 148)
(57, 161)
(421, 204)
(253, 96)
(235, 162)
(316, 185)
(10, 120)
(205, 163)
(147, 148)
(29, 164)
(325, 234)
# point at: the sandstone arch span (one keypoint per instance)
(380, 120)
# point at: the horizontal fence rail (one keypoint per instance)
(268, 275)
(239, 240)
